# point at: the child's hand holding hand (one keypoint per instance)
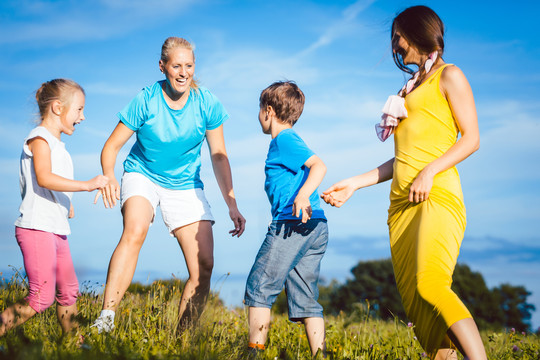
(303, 205)
(97, 183)
(110, 191)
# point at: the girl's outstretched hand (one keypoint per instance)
(97, 183)
(338, 194)
(110, 192)
(239, 222)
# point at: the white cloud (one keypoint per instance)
(339, 28)
(82, 20)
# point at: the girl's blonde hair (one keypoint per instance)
(56, 89)
(178, 42)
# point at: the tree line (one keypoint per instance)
(373, 290)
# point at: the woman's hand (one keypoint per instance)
(110, 193)
(239, 222)
(421, 186)
(222, 170)
(111, 190)
(338, 194)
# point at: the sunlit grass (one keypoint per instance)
(147, 317)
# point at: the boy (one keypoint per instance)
(296, 240)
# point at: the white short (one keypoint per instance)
(178, 207)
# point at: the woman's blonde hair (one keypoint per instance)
(56, 89)
(174, 42)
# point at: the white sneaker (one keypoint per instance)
(104, 323)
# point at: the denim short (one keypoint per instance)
(290, 256)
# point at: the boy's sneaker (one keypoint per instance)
(104, 323)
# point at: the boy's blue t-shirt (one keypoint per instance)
(286, 173)
(169, 141)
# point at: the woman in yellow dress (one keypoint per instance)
(426, 217)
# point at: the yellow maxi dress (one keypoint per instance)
(425, 238)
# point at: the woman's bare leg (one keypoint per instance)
(465, 335)
(138, 213)
(446, 354)
(197, 244)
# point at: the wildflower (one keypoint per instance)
(513, 330)
(523, 333)
(515, 348)
(371, 346)
(423, 354)
(410, 324)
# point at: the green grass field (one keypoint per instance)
(147, 317)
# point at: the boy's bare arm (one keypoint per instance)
(317, 170)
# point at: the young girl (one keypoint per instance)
(46, 179)
(426, 218)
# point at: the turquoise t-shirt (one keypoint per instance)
(286, 173)
(168, 146)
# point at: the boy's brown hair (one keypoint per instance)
(286, 98)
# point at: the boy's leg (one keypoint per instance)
(259, 322)
(302, 286)
(278, 255)
(315, 334)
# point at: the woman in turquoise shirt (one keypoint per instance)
(171, 119)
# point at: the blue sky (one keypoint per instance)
(339, 54)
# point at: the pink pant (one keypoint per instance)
(49, 268)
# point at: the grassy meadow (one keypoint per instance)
(147, 317)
